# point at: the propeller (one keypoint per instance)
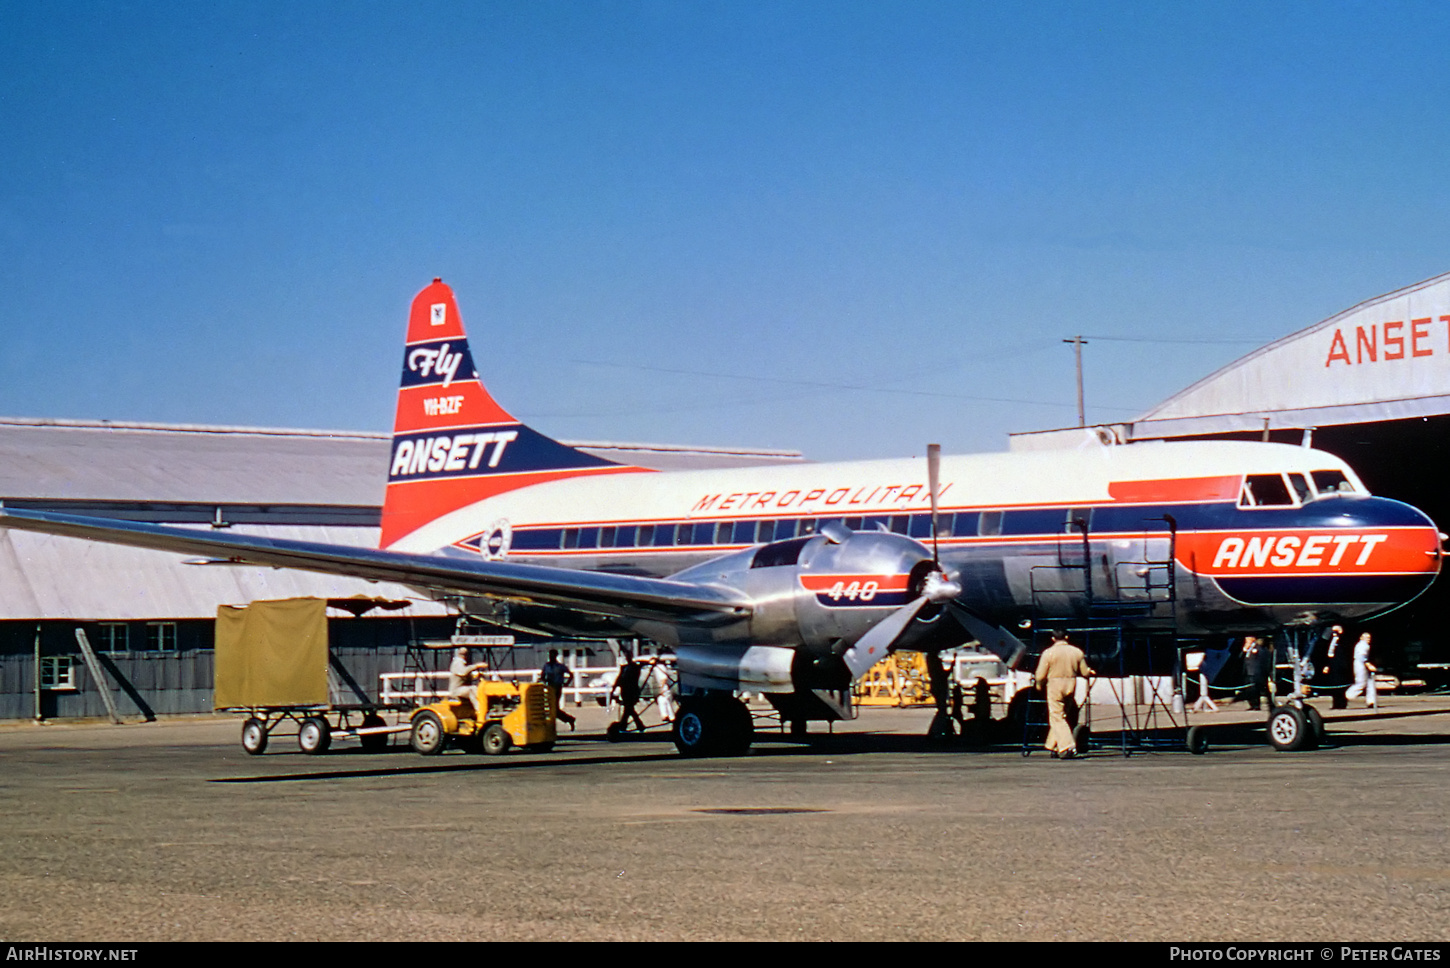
(936, 589)
(872, 647)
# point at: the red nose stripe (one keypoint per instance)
(1308, 551)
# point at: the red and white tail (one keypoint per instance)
(453, 445)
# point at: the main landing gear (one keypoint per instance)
(713, 724)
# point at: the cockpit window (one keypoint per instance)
(1265, 491)
(1301, 488)
(780, 553)
(1331, 482)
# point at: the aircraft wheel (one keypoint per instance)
(1289, 730)
(1316, 725)
(428, 737)
(713, 726)
(1198, 740)
(254, 736)
(742, 727)
(314, 736)
(496, 740)
(696, 727)
(373, 742)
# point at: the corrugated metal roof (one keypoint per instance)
(45, 577)
(179, 463)
(77, 460)
(155, 471)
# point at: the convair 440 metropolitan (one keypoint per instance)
(792, 580)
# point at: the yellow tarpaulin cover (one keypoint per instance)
(272, 654)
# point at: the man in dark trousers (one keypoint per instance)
(1333, 659)
(557, 676)
(1256, 654)
(626, 683)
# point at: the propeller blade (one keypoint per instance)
(995, 639)
(872, 647)
(933, 482)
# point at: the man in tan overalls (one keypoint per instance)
(1057, 672)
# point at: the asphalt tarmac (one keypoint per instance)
(169, 831)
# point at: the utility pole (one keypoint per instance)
(1077, 345)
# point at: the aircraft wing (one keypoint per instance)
(601, 593)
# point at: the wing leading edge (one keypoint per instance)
(603, 593)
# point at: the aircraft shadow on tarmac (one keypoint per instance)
(623, 752)
(1223, 737)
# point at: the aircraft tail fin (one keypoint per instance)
(453, 444)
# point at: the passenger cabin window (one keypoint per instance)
(1331, 482)
(989, 523)
(1265, 491)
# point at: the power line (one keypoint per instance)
(1161, 339)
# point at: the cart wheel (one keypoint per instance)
(1198, 740)
(496, 740)
(1289, 730)
(428, 737)
(314, 736)
(254, 736)
(373, 742)
(614, 732)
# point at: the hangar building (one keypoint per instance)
(1371, 385)
(149, 615)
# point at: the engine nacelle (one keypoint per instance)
(813, 598)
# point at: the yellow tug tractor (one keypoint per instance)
(504, 714)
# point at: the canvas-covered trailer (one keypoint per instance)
(272, 662)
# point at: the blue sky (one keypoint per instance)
(847, 228)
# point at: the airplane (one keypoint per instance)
(791, 581)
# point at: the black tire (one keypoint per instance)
(742, 727)
(373, 742)
(1081, 737)
(496, 740)
(695, 728)
(1316, 725)
(314, 736)
(614, 732)
(1289, 730)
(1198, 740)
(713, 726)
(428, 736)
(540, 747)
(254, 736)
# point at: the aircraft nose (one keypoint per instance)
(1348, 556)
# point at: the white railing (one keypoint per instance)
(421, 688)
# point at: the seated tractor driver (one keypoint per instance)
(463, 679)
